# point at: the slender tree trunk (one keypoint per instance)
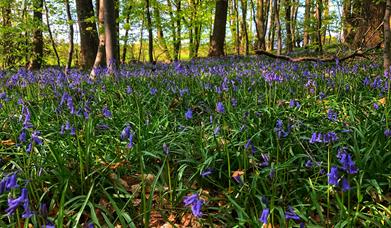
(387, 39)
(177, 45)
(173, 30)
(244, 26)
(319, 11)
(150, 34)
(160, 33)
(307, 20)
(51, 35)
(288, 41)
(295, 7)
(6, 39)
(100, 55)
(278, 26)
(71, 33)
(112, 55)
(141, 39)
(127, 27)
(260, 24)
(218, 37)
(271, 28)
(346, 12)
(237, 29)
(37, 57)
(88, 33)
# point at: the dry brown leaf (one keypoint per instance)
(8, 142)
(382, 101)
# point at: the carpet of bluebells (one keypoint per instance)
(210, 142)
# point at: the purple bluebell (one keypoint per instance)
(196, 208)
(189, 200)
(291, 214)
(43, 210)
(375, 106)
(129, 90)
(106, 112)
(292, 103)
(330, 137)
(333, 176)
(309, 164)
(125, 133)
(62, 130)
(279, 129)
(265, 215)
(366, 81)
(153, 91)
(249, 145)
(331, 115)
(130, 144)
(216, 131)
(29, 147)
(207, 172)
(166, 149)
(348, 165)
(234, 102)
(265, 160)
(11, 182)
(27, 212)
(189, 114)
(73, 131)
(345, 185)
(13, 204)
(35, 137)
(22, 136)
(220, 107)
(387, 133)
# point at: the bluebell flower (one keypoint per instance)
(331, 115)
(348, 165)
(207, 172)
(29, 147)
(220, 107)
(196, 208)
(166, 149)
(265, 160)
(375, 106)
(279, 129)
(130, 144)
(189, 200)
(216, 131)
(11, 182)
(234, 102)
(330, 137)
(27, 212)
(264, 216)
(291, 214)
(22, 136)
(387, 133)
(62, 130)
(153, 91)
(73, 131)
(189, 114)
(13, 204)
(345, 185)
(106, 112)
(35, 137)
(366, 81)
(129, 90)
(125, 133)
(333, 176)
(309, 163)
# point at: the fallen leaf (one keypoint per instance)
(8, 142)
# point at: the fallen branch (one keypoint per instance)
(356, 53)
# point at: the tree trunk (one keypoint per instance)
(177, 44)
(270, 35)
(112, 55)
(100, 55)
(288, 41)
(150, 34)
(319, 11)
(127, 27)
(295, 9)
(307, 21)
(160, 34)
(88, 33)
(51, 36)
(37, 55)
(71, 33)
(260, 24)
(6, 39)
(218, 37)
(346, 15)
(278, 26)
(244, 26)
(387, 39)
(141, 39)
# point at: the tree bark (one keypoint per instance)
(346, 14)
(387, 39)
(127, 27)
(260, 25)
(100, 55)
(88, 33)
(160, 33)
(307, 21)
(112, 55)
(271, 28)
(278, 26)
(218, 38)
(244, 26)
(319, 11)
(177, 44)
(51, 35)
(37, 55)
(71, 33)
(288, 41)
(150, 34)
